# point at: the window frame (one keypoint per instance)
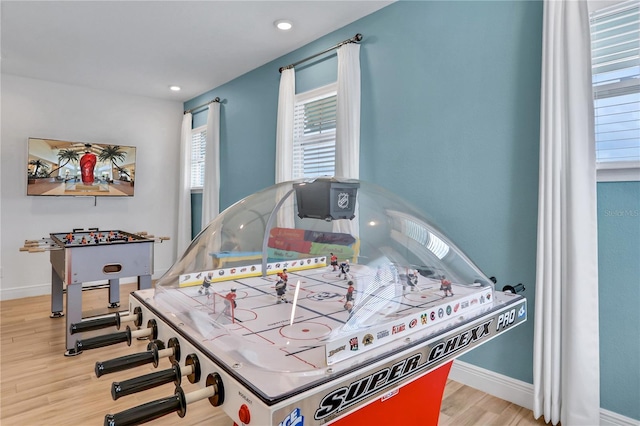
(312, 95)
(200, 129)
(611, 171)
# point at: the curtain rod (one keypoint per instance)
(217, 99)
(355, 39)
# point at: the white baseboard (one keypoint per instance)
(503, 387)
(609, 418)
(44, 289)
(516, 391)
(25, 291)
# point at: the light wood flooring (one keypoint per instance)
(40, 386)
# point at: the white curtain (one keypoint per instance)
(566, 341)
(284, 145)
(348, 112)
(284, 126)
(348, 125)
(184, 188)
(211, 186)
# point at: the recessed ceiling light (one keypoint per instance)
(283, 24)
(174, 88)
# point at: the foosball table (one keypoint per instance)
(257, 317)
(83, 256)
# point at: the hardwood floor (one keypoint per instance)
(41, 386)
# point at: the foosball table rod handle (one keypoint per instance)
(159, 378)
(155, 352)
(150, 332)
(177, 403)
(114, 320)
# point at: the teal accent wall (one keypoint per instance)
(619, 296)
(450, 120)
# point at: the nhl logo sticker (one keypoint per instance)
(343, 200)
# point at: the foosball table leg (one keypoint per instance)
(114, 293)
(57, 309)
(74, 315)
(144, 282)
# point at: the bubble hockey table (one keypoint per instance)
(122, 255)
(404, 387)
(370, 343)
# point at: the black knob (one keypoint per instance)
(149, 411)
(147, 381)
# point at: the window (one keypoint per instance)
(615, 45)
(198, 143)
(314, 133)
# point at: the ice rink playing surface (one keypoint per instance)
(320, 309)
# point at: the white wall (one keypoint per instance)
(35, 108)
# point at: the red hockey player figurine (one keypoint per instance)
(283, 275)
(445, 285)
(350, 292)
(334, 261)
(87, 164)
(229, 299)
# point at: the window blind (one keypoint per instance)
(615, 46)
(198, 143)
(314, 139)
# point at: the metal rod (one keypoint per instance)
(355, 39)
(217, 99)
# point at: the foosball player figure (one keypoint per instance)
(84, 240)
(281, 288)
(230, 299)
(206, 283)
(334, 261)
(283, 276)
(344, 269)
(445, 285)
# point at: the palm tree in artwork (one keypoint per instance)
(40, 169)
(65, 156)
(113, 154)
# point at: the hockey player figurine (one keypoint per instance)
(283, 276)
(344, 269)
(445, 285)
(348, 306)
(281, 288)
(229, 299)
(412, 279)
(350, 292)
(206, 283)
(334, 261)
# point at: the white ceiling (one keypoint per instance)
(143, 47)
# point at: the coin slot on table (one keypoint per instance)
(112, 268)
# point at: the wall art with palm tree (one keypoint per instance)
(56, 167)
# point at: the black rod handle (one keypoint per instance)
(123, 363)
(150, 332)
(149, 411)
(95, 324)
(147, 381)
(104, 340)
